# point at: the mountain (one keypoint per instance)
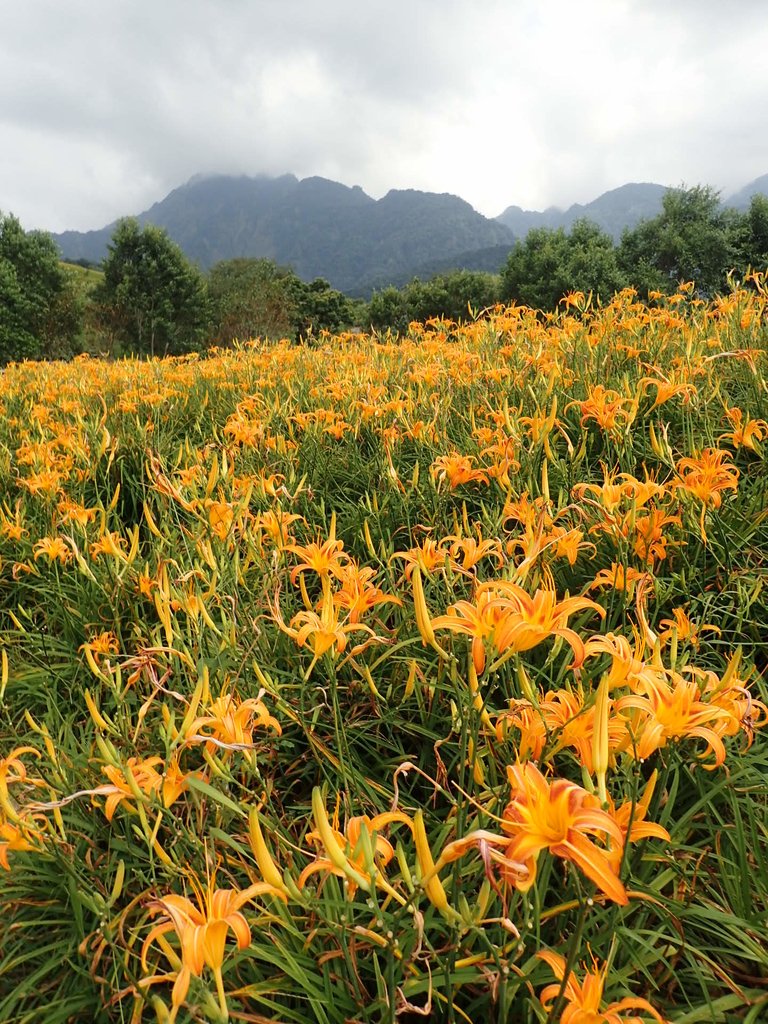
(319, 227)
(613, 211)
(741, 199)
(324, 229)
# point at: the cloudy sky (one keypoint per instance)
(106, 106)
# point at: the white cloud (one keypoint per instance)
(105, 108)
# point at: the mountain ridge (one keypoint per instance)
(323, 228)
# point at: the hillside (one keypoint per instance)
(319, 227)
(613, 211)
(741, 199)
(322, 228)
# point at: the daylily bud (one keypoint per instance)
(4, 673)
(411, 680)
(600, 749)
(420, 607)
(423, 620)
(117, 886)
(430, 880)
(151, 524)
(333, 848)
(98, 719)
(269, 870)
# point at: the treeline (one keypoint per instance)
(694, 238)
(148, 299)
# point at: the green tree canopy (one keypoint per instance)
(690, 240)
(319, 307)
(39, 314)
(251, 298)
(457, 295)
(255, 298)
(548, 263)
(153, 298)
(388, 309)
(750, 237)
(535, 273)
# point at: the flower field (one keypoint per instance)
(389, 678)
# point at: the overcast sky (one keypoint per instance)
(106, 106)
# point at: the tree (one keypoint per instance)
(534, 273)
(451, 295)
(750, 237)
(592, 264)
(690, 240)
(548, 263)
(153, 298)
(251, 298)
(256, 298)
(39, 314)
(388, 308)
(319, 307)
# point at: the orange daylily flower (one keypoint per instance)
(476, 620)
(560, 816)
(583, 999)
(671, 709)
(640, 492)
(428, 556)
(618, 577)
(71, 511)
(325, 631)
(276, 524)
(607, 408)
(220, 518)
(467, 552)
(530, 619)
(351, 842)
(529, 725)
(55, 549)
(141, 776)
(104, 643)
(744, 713)
(110, 543)
(358, 593)
(707, 475)
(46, 481)
(628, 666)
(270, 484)
(326, 559)
(561, 718)
(17, 837)
(609, 494)
(650, 542)
(11, 525)
(681, 625)
(514, 621)
(745, 433)
(568, 543)
(630, 817)
(540, 425)
(202, 927)
(529, 513)
(228, 723)
(457, 470)
(666, 389)
(13, 769)
(573, 298)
